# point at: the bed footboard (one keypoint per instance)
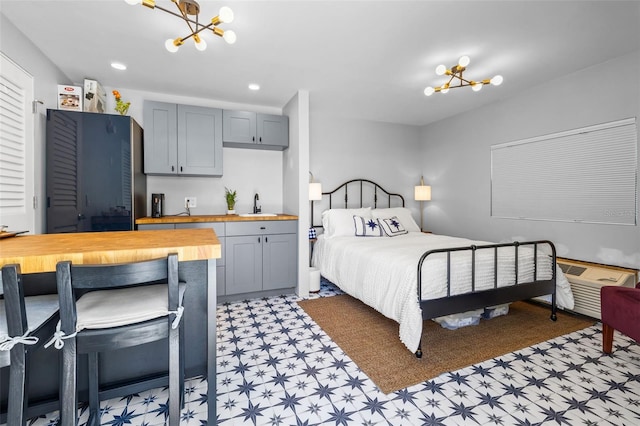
(476, 299)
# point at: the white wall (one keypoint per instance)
(456, 160)
(296, 170)
(46, 78)
(343, 149)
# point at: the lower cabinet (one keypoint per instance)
(260, 256)
(219, 229)
(257, 256)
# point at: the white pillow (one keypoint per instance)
(367, 227)
(339, 222)
(392, 226)
(402, 213)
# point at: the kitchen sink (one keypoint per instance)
(258, 215)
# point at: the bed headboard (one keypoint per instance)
(356, 193)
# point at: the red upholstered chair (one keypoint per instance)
(620, 308)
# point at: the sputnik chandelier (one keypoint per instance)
(455, 74)
(189, 11)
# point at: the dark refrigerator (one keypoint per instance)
(94, 178)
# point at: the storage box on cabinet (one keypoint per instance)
(260, 255)
(182, 139)
(243, 129)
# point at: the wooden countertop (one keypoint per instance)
(211, 218)
(41, 253)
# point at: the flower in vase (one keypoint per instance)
(121, 106)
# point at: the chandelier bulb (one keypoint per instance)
(201, 45)
(229, 36)
(171, 45)
(226, 15)
(441, 69)
(497, 80)
(444, 88)
(429, 91)
(464, 61)
(133, 2)
(476, 86)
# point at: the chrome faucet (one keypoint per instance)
(256, 209)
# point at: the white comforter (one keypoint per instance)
(382, 272)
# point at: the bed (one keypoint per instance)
(378, 255)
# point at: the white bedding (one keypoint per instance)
(382, 272)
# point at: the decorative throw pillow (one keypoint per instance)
(392, 226)
(367, 227)
(339, 222)
(403, 214)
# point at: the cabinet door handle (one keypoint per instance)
(253, 138)
(263, 227)
(266, 239)
(260, 139)
(180, 169)
(172, 168)
(258, 239)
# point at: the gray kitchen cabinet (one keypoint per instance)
(219, 229)
(279, 261)
(149, 226)
(182, 139)
(244, 129)
(260, 256)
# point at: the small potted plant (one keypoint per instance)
(230, 196)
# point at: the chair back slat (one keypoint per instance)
(118, 275)
(14, 300)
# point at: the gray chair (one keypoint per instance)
(25, 324)
(109, 307)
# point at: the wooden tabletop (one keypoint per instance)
(211, 218)
(41, 253)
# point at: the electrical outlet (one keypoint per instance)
(190, 202)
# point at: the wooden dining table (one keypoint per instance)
(197, 251)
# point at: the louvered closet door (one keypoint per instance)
(16, 147)
(64, 195)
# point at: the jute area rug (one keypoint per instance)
(371, 340)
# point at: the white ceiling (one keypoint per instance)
(358, 59)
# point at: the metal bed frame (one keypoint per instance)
(451, 304)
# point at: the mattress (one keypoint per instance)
(382, 272)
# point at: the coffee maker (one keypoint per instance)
(157, 205)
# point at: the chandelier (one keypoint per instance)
(188, 10)
(455, 74)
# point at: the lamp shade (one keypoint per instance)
(315, 191)
(422, 193)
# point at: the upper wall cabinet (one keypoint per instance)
(182, 139)
(242, 129)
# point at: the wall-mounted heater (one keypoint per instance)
(586, 280)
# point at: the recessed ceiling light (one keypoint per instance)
(118, 66)
(254, 86)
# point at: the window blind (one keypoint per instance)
(582, 175)
(12, 148)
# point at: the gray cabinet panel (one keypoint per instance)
(243, 264)
(262, 227)
(239, 126)
(160, 129)
(149, 226)
(273, 130)
(279, 261)
(243, 129)
(199, 141)
(182, 139)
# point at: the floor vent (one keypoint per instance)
(587, 279)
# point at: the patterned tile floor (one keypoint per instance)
(277, 367)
